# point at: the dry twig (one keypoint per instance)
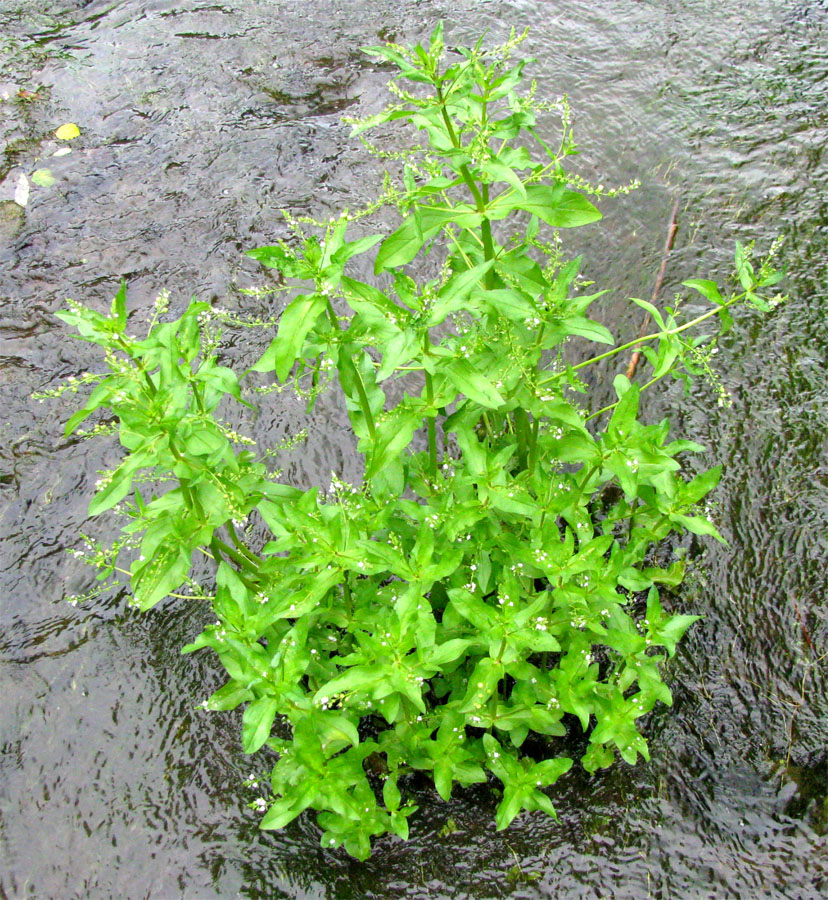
(671, 233)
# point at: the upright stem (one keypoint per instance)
(191, 500)
(198, 396)
(522, 432)
(481, 200)
(220, 550)
(533, 446)
(150, 383)
(364, 404)
(241, 546)
(431, 425)
(647, 337)
(488, 244)
(233, 554)
(349, 600)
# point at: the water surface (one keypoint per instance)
(199, 122)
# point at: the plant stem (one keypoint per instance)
(364, 403)
(522, 431)
(431, 427)
(349, 600)
(431, 424)
(198, 396)
(647, 337)
(612, 406)
(190, 499)
(533, 446)
(233, 554)
(480, 199)
(366, 406)
(671, 233)
(241, 546)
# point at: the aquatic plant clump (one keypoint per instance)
(487, 591)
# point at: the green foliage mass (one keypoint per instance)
(487, 579)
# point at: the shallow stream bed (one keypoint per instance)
(200, 120)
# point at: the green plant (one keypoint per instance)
(491, 576)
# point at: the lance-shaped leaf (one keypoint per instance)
(257, 722)
(554, 204)
(401, 246)
(288, 808)
(296, 322)
(463, 375)
(455, 293)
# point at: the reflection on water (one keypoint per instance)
(199, 121)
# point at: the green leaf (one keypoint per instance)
(283, 259)
(399, 350)
(625, 413)
(407, 69)
(652, 310)
(368, 293)
(670, 632)
(597, 757)
(43, 177)
(296, 322)
(288, 808)
(510, 806)
(391, 795)
(116, 488)
(706, 288)
(462, 374)
(229, 696)
(335, 731)
(697, 525)
(510, 500)
(205, 440)
(743, 268)
(758, 302)
(583, 327)
(118, 310)
(510, 304)
(701, 485)
(164, 571)
(357, 678)
(497, 171)
(476, 610)
(554, 204)
(257, 722)
(101, 396)
(435, 41)
(401, 246)
(432, 218)
(483, 682)
(392, 436)
(550, 770)
(453, 295)
(354, 248)
(445, 653)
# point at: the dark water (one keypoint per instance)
(199, 121)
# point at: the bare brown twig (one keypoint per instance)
(668, 245)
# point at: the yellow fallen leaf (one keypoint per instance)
(67, 132)
(43, 178)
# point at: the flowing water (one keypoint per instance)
(200, 120)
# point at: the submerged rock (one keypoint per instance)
(11, 219)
